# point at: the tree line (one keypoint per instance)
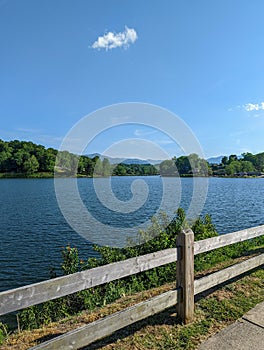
(246, 165)
(191, 165)
(25, 158)
(97, 167)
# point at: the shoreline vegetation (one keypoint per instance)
(212, 312)
(24, 159)
(79, 176)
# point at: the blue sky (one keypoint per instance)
(202, 60)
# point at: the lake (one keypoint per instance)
(33, 230)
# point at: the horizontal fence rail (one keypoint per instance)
(216, 278)
(183, 295)
(20, 298)
(220, 241)
(87, 334)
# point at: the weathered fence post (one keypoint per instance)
(185, 275)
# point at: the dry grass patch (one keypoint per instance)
(162, 331)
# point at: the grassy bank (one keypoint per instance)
(162, 331)
(26, 176)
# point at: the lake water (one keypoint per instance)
(33, 230)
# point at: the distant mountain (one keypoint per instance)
(127, 160)
(211, 160)
(215, 160)
(92, 155)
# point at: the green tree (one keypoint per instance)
(98, 169)
(224, 160)
(86, 166)
(31, 165)
(120, 170)
(168, 168)
(40, 152)
(81, 165)
(259, 163)
(5, 155)
(247, 166)
(20, 157)
(233, 168)
(183, 165)
(249, 157)
(64, 161)
(106, 167)
(49, 160)
(203, 167)
(232, 158)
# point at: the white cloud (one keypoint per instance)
(249, 107)
(112, 40)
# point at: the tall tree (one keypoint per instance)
(31, 165)
(224, 160)
(106, 167)
(168, 168)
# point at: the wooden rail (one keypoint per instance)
(183, 295)
(216, 278)
(85, 335)
(220, 241)
(20, 298)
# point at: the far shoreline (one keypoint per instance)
(79, 176)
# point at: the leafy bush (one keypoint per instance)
(3, 332)
(161, 234)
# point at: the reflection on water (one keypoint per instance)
(33, 230)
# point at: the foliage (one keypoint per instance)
(26, 159)
(21, 157)
(168, 168)
(191, 165)
(3, 332)
(161, 234)
(247, 165)
(134, 169)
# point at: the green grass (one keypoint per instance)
(39, 175)
(162, 331)
(212, 313)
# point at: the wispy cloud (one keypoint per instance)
(112, 40)
(141, 133)
(249, 107)
(252, 108)
(136, 148)
(37, 136)
(154, 135)
(29, 130)
(165, 141)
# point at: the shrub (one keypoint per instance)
(161, 234)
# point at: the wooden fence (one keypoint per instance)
(182, 296)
